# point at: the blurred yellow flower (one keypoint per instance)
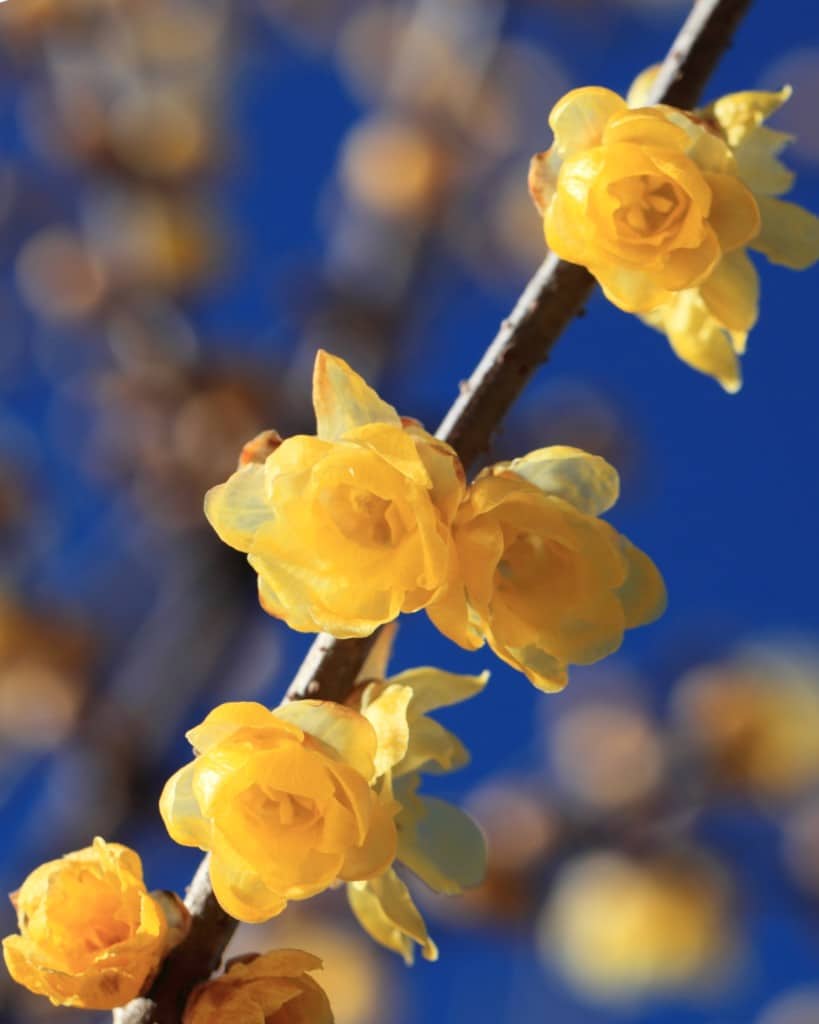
(649, 200)
(707, 326)
(350, 528)
(755, 720)
(282, 800)
(437, 841)
(274, 988)
(90, 934)
(621, 927)
(543, 580)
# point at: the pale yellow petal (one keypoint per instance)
(343, 400)
(543, 670)
(640, 92)
(342, 729)
(579, 118)
(386, 911)
(433, 748)
(789, 234)
(226, 719)
(633, 291)
(387, 714)
(699, 339)
(731, 292)
(243, 894)
(759, 165)
(378, 658)
(180, 811)
(734, 212)
(739, 114)
(442, 845)
(237, 508)
(378, 850)
(586, 481)
(433, 688)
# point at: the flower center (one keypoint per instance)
(649, 204)
(363, 517)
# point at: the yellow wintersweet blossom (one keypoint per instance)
(349, 528)
(274, 988)
(542, 579)
(754, 720)
(283, 802)
(437, 841)
(621, 926)
(649, 200)
(91, 936)
(707, 326)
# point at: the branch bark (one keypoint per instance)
(553, 297)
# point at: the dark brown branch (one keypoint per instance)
(553, 297)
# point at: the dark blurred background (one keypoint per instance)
(194, 195)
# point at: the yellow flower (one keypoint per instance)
(649, 199)
(545, 581)
(621, 927)
(350, 528)
(271, 989)
(708, 325)
(90, 934)
(754, 720)
(283, 802)
(437, 841)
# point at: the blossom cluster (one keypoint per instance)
(661, 205)
(373, 517)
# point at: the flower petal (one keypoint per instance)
(343, 400)
(440, 843)
(229, 718)
(734, 212)
(344, 730)
(643, 594)
(731, 291)
(387, 714)
(387, 913)
(585, 481)
(180, 811)
(237, 508)
(243, 894)
(432, 688)
(578, 119)
(789, 234)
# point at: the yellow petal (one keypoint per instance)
(543, 670)
(699, 339)
(180, 811)
(343, 400)
(226, 719)
(734, 212)
(759, 165)
(376, 662)
(643, 594)
(578, 119)
(432, 748)
(640, 91)
(450, 613)
(387, 714)
(237, 508)
(243, 894)
(789, 234)
(378, 850)
(432, 688)
(585, 481)
(740, 113)
(344, 730)
(731, 292)
(645, 127)
(440, 844)
(386, 911)
(633, 291)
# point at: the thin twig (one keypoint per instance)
(553, 297)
